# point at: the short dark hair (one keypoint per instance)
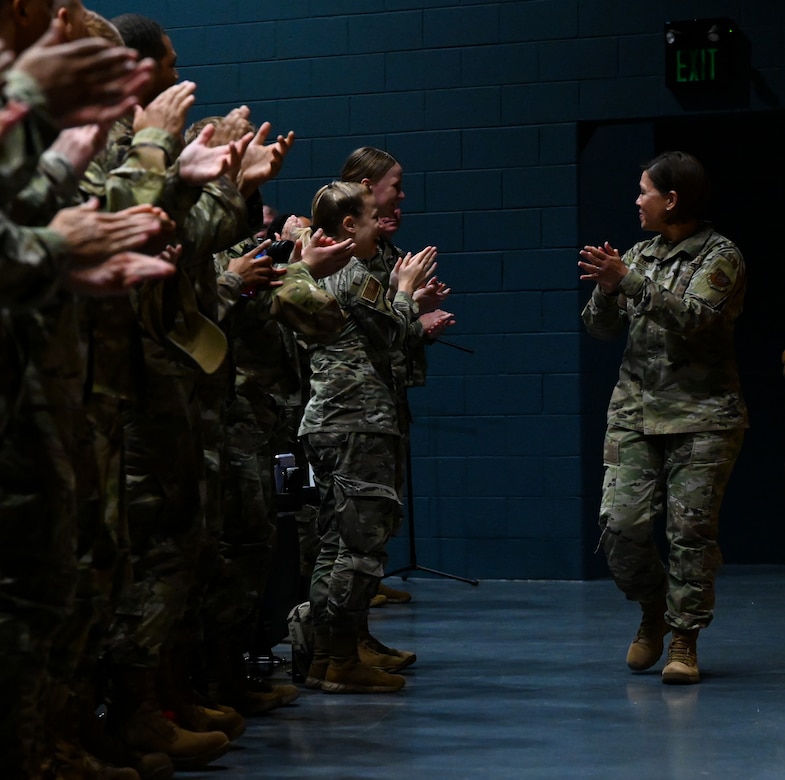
(143, 34)
(683, 174)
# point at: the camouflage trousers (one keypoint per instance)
(360, 508)
(38, 578)
(165, 481)
(681, 477)
(245, 550)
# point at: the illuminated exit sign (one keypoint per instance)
(700, 54)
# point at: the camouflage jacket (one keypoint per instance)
(32, 264)
(411, 362)
(178, 313)
(264, 328)
(24, 143)
(679, 304)
(32, 260)
(352, 380)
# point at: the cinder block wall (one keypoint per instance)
(480, 100)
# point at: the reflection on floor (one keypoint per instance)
(528, 680)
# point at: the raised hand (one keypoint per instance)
(256, 268)
(262, 162)
(118, 274)
(414, 270)
(291, 229)
(435, 322)
(431, 295)
(603, 265)
(234, 126)
(80, 144)
(201, 162)
(168, 110)
(87, 80)
(93, 236)
(324, 256)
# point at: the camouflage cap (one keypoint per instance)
(192, 335)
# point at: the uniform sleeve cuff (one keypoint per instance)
(24, 88)
(155, 136)
(632, 285)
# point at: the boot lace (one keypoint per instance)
(652, 628)
(682, 650)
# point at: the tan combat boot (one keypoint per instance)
(70, 759)
(211, 717)
(393, 596)
(192, 711)
(346, 674)
(682, 666)
(109, 748)
(286, 693)
(646, 649)
(231, 686)
(147, 730)
(372, 652)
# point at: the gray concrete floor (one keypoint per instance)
(528, 680)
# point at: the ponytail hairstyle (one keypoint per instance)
(335, 201)
(367, 162)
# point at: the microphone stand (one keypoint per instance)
(413, 565)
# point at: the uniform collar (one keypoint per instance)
(664, 251)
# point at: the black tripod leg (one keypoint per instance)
(413, 565)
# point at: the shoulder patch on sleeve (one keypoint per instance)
(719, 280)
(370, 290)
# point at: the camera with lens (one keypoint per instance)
(280, 251)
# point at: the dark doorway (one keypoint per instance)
(745, 157)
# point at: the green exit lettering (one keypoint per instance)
(696, 65)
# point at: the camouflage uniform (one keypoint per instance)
(39, 490)
(25, 142)
(42, 431)
(351, 433)
(47, 462)
(173, 501)
(410, 363)
(676, 417)
(259, 332)
(32, 260)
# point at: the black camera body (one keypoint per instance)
(280, 251)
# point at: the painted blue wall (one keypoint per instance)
(481, 103)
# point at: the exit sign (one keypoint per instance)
(700, 54)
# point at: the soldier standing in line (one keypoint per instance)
(38, 446)
(171, 503)
(350, 432)
(261, 324)
(380, 171)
